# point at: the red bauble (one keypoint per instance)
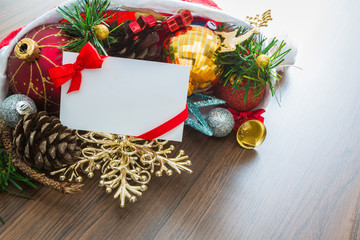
(235, 100)
(29, 75)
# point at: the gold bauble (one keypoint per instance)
(251, 134)
(190, 87)
(195, 46)
(262, 61)
(101, 31)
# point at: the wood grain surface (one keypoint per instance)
(302, 183)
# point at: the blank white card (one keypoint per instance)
(126, 96)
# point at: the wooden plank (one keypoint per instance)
(94, 214)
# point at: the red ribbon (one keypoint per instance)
(88, 58)
(241, 117)
(166, 127)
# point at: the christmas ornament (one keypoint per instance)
(251, 134)
(101, 31)
(83, 20)
(231, 39)
(240, 100)
(190, 87)
(143, 47)
(126, 163)
(195, 46)
(262, 61)
(242, 82)
(220, 121)
(200, 124)
(27, 50)
(15, 107)
(7, 140)
(43, 142)
(27, 69)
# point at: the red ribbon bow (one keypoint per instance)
(241, 117)
(88, 58)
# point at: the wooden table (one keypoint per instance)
(302, 183)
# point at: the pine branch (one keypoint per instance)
(81, 18)
(11, 175)
(240, 70)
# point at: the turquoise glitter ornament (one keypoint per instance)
(193, 106)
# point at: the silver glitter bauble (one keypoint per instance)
(15, 107)
(221, 121)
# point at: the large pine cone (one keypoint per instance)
(143, 47)
(45, 143)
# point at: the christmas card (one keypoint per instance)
(126, 96)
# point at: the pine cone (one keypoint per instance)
(45, 143)
(143, 47)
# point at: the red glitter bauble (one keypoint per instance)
(235, 100)
(30, 76)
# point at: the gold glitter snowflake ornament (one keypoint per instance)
(126, 163)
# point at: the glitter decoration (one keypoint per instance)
(236, 100)
(200, 124)
(262, 61)
(126, 163)
(221, 121)
(101, 32)
(29, 62)
(195, 46)
(15, 107)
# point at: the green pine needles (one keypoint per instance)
(240, 69)
(81, 20)
(9, 175)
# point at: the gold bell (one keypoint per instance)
(251, 134)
